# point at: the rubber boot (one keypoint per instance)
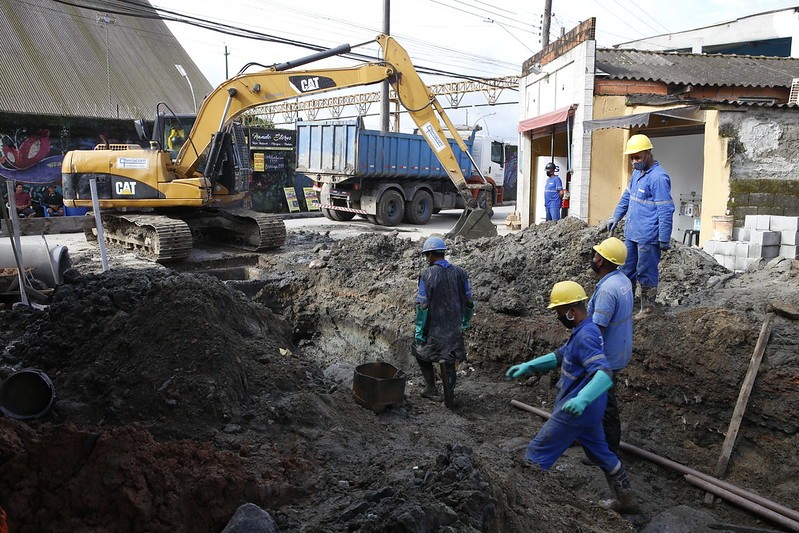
(430, 389)
(647, 302)
(448, 377)
(624, 498)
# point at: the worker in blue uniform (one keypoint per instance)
(444, 310)
(649, 208)
(611, 309)
(553, 192)
(581, 395)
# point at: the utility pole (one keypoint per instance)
(107, 20)
(384, 104)
(546, 22)
(226, 54)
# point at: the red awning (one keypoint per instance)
(547, 119)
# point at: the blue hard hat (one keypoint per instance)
(434, 244)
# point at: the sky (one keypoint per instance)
(467, 37)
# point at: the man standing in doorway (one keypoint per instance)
(553, 192)
(649, 208)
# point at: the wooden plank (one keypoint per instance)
(743, 399)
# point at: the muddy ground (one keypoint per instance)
(182, 396)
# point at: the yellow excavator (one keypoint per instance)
(157, 200)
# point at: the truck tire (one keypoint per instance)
(338, 216)
(390, 208)
(342, 216)
(420, 208)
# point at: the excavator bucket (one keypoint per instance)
(473, 224)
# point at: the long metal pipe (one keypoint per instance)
(776, 507)
(749, 505)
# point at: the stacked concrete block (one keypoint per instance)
(763, 237)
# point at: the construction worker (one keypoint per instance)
(444, 309)
(649, 208)
(611, 309)
(553, 192)
(581, 397)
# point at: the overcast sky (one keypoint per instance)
(452, 35)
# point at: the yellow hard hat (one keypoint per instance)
(613, 250)
(566, 292)
(638, 143)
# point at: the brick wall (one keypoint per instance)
(763, 197)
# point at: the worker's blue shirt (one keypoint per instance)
(648, 205)
(551, 188)
(582, 356)
(611, 307)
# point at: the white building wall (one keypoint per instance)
(770, 25)
(566, 81)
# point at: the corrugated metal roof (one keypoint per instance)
(696, 69)
(55, 63)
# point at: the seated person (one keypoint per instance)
(175, 140)
(24, 202)
(53, 202)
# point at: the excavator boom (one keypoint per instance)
(247, 91)
(182, 201)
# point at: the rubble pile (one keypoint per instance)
(180, 399)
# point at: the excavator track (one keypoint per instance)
(152, 237)
(242, 228)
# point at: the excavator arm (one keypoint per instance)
(282, 82)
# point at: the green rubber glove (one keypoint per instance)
(421, 320)
(539, 364)
(468, 313)
(593, 390)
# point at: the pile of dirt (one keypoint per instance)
(180, 398)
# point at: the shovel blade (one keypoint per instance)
(473, 224)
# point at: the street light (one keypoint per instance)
(107, 20)
(183, 73)
(485, 116)
(492, 21)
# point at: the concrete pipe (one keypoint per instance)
(48, 262)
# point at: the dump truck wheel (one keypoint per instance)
(341, 216)
(390, 209)
(420, 208)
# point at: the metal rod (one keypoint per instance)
(747, 504)
(98, 221)
(16, 242)
(785, 511)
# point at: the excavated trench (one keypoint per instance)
(183, 395)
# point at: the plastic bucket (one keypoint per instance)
(722, 228)
(26, 394)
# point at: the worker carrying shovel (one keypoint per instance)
(444, 309)
(581, 398)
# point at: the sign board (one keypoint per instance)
(291, 199)
(269, 161)
(311, 198)
(258, 162)
(274, 139)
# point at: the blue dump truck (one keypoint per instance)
(385, 177)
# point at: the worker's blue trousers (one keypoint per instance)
(553, 211)
(555, 437)
(642, 263)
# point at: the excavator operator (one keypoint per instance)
(175, 139)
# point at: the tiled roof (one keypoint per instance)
(54, 63)
(696, 69)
